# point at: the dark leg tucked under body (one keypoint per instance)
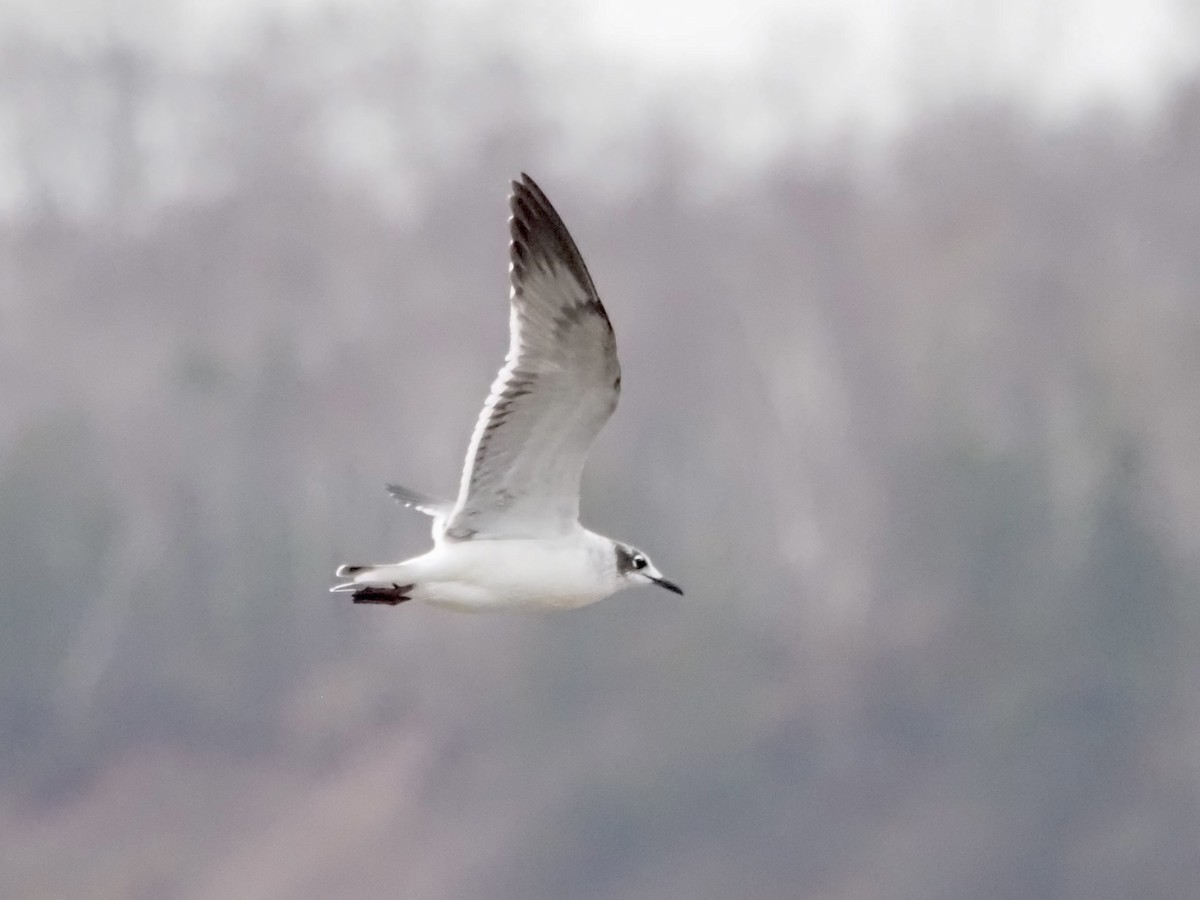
(390, 596)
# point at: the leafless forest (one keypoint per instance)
(920, 438)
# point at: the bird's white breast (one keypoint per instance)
(557, 573)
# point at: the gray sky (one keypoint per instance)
(745, 80)
(866, 54)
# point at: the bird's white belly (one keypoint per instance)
(515, 574)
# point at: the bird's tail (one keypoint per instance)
(351, 572)
(367, 591)
(387, 575)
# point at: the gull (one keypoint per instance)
(512, 538)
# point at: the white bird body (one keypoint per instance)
(512, 538)
(481, 576)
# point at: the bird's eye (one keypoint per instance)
(639, 562)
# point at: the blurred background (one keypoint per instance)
(907, 300)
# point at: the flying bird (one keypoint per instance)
(512, 538)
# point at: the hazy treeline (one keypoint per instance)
(920, 442)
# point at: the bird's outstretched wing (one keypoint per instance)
(418, 501)
(558, 387)
(438, 509)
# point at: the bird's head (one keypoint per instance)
(634, 567)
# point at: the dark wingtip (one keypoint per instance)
(523, 184)
(526, 192)
(537, 234)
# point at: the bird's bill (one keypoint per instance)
(669, 585)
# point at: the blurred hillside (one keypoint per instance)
(920, 440)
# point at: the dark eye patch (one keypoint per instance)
(629, 560)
